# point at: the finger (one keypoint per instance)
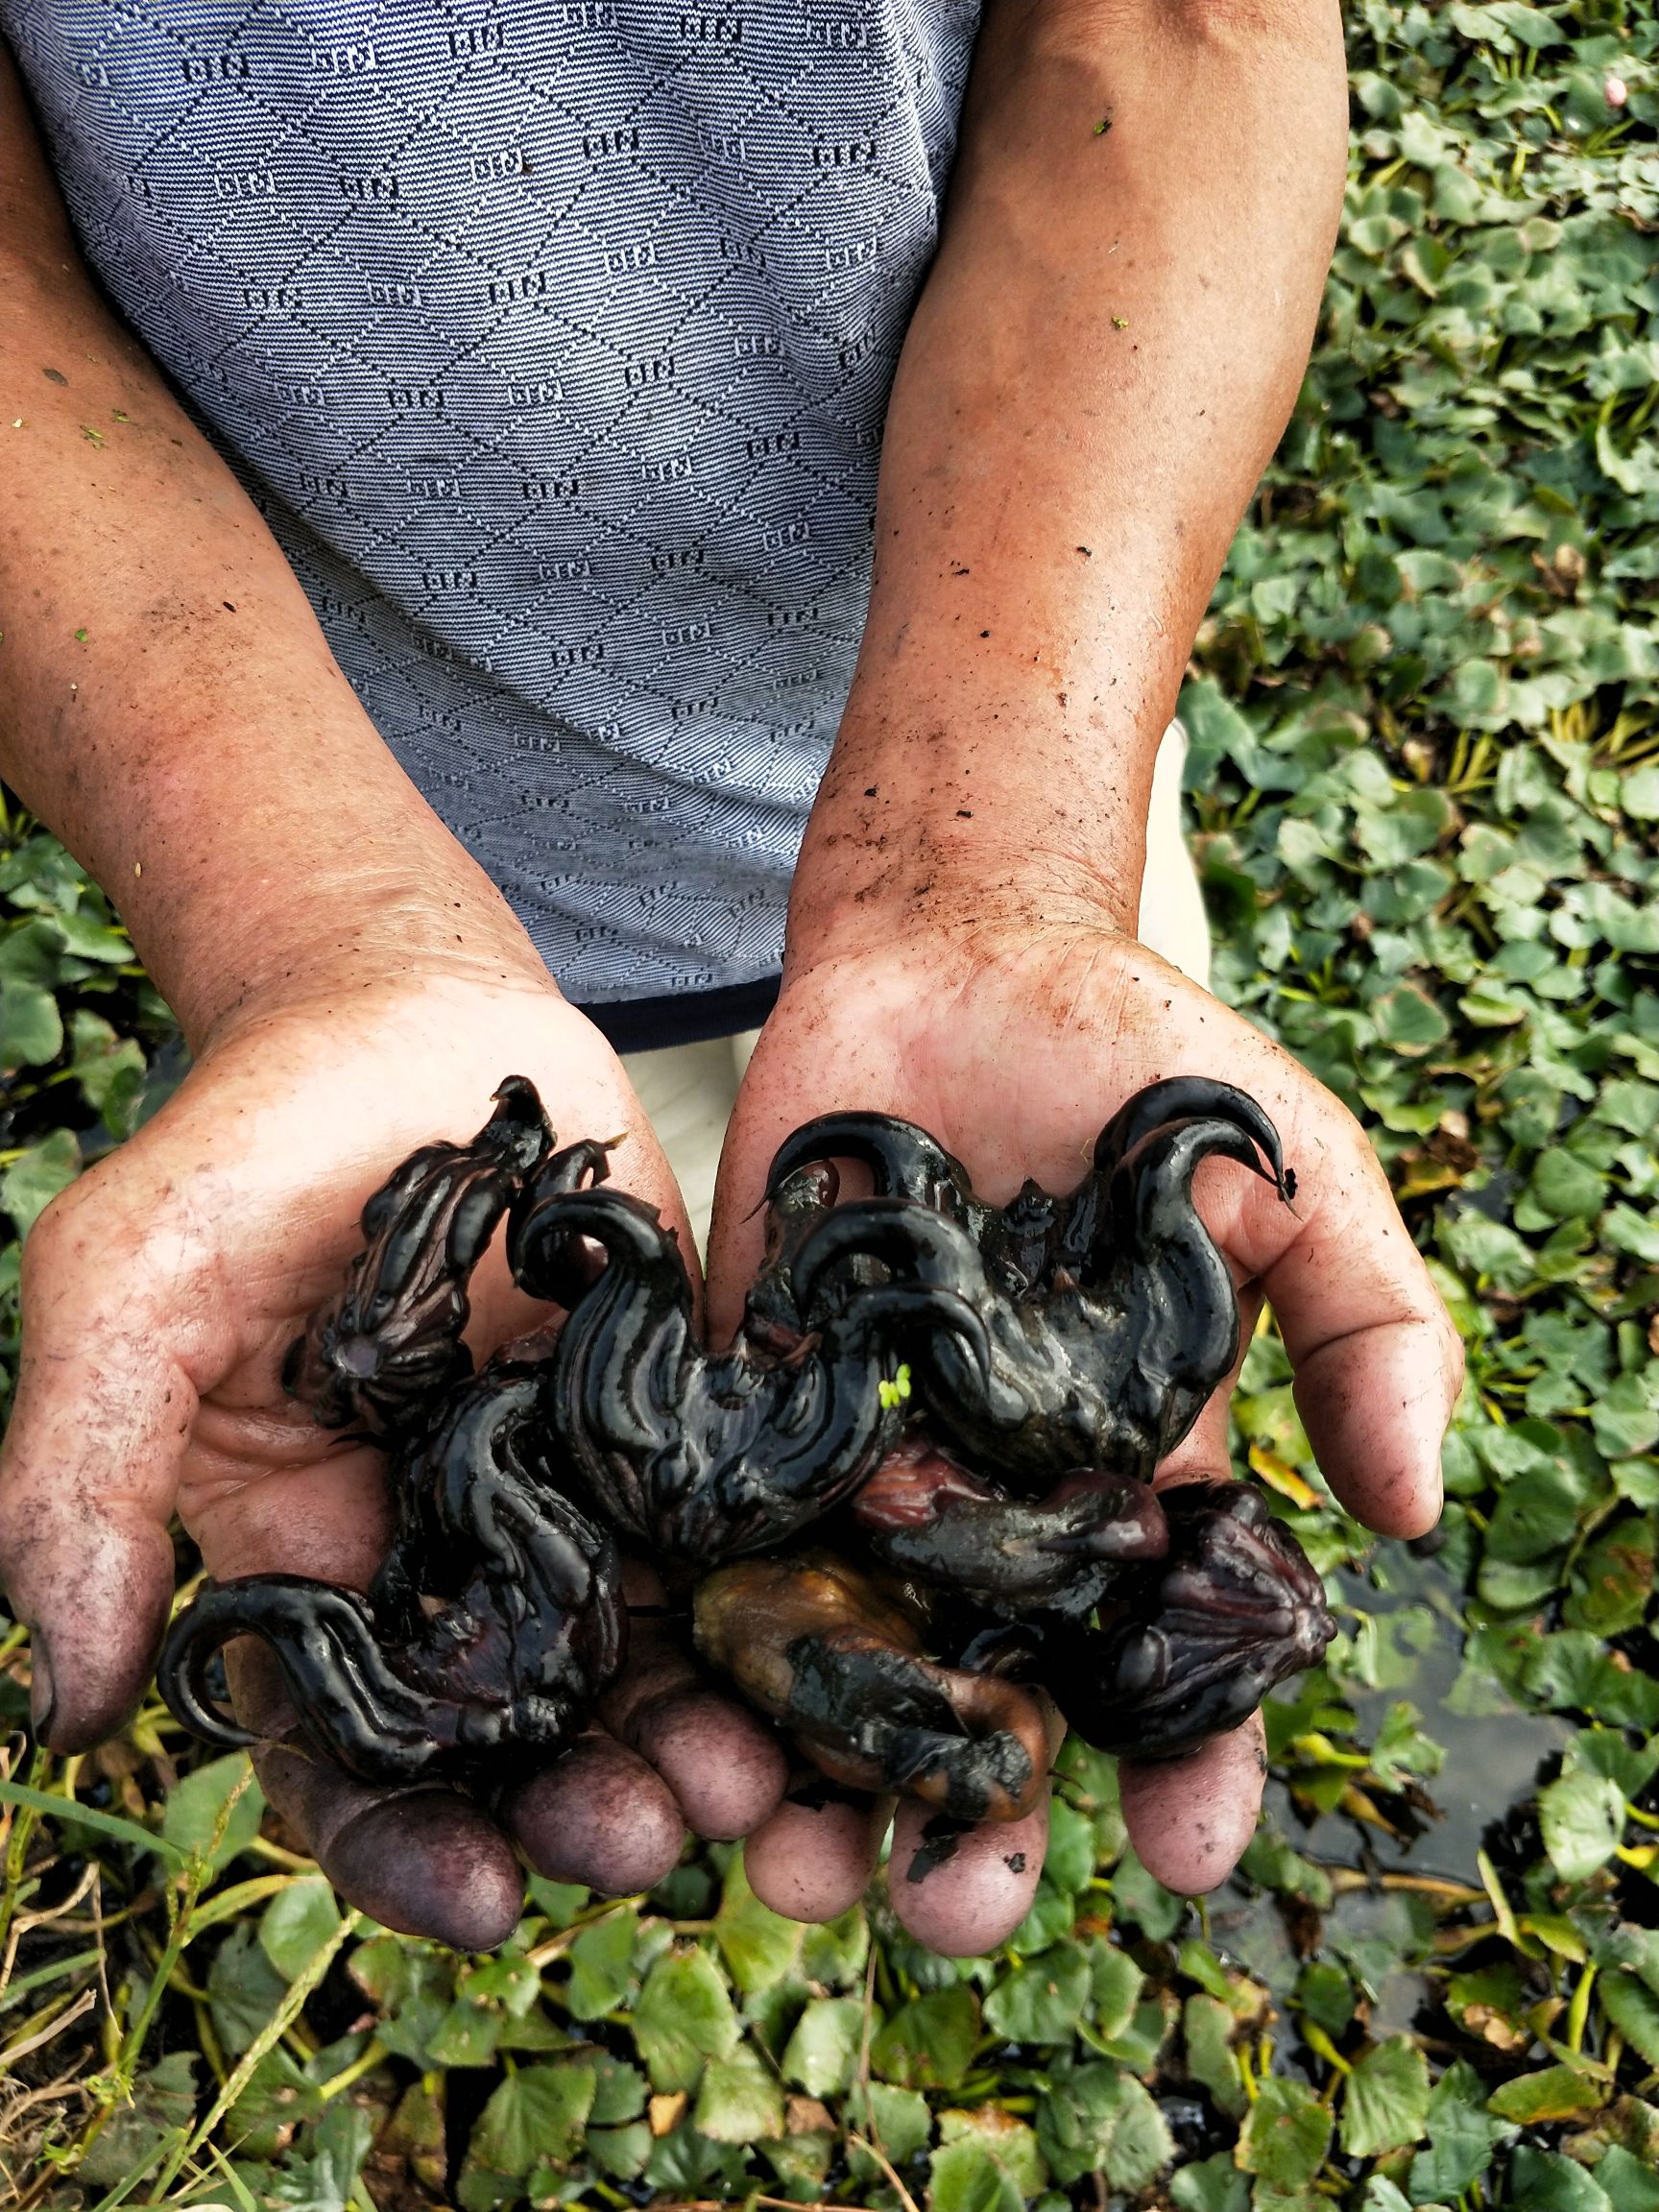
(725, 1765)
(90, 1465)
(1190, 1818)
(1376, 1405)
(1378, 1365)
(421, 1859)
(813, 1858)
(1378, 1362)
(602, 1817)
(964, 1895)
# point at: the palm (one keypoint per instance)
(1013, 1047)
(163, 1291)
(258, 1487)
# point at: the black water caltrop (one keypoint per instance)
(972, 1398)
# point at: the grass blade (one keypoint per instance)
(88, 1816)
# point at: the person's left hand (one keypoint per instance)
(1012, 1041)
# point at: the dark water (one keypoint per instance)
(1495, 1752)
(1494, 1749)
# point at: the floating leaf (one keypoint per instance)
(1287, 2136)
(34, 1178)
(1582, 1817)
(298, 1923)
(1042, 2001)
(1634, 2010)
(602, 1965)
(1462, 2138)
(1212, 2185)
(1543, 2181)
(683, 2018)
(966, 2178)
(1208, 2027)
(929, 2043)
(1101, 2119)
(536, 2113)
(198, 1802)
(1385, 2100)
(31, 1026)
(759, 1946)
(739, 2099)
(822, 2048)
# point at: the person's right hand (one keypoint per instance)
(161, 1292)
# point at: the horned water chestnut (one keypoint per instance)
(914, 1493)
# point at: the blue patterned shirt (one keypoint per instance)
(553, 340)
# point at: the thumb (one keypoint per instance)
(90, 1463)
(1378, 1365)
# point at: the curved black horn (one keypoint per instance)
(912, 1241)
(1186, 1099)
(540, 1233)
(518, 1130)
(905, 1161)
(356, 1710)
(193, 1641)
(894, 1310)
(1159, 1172)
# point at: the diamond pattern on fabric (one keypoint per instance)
(553, 339)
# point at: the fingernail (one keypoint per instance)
(40, 1694)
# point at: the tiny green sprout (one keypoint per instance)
(93, 437)
(1103, 125)
(1120, 322)
(79, 636)
(896, 1393)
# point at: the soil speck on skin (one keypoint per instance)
(54, 376)
(1015, 1861)
(940, 1838)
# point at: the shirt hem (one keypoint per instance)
(685, 1017)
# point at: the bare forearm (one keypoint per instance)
(167, 701)
(1108, 346)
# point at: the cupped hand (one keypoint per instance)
(1013, 1042)
(159, 1294)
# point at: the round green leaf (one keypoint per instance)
(684, 2017)
(739, 2100)
(1582, 1817)
(1286, 2136)
(823, 2049)
(31, 1027)
(1386, 2099)
(296, 1924)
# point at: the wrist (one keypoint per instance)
(255, 832)
(249, 913)
(378, 930)
(950, 831)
